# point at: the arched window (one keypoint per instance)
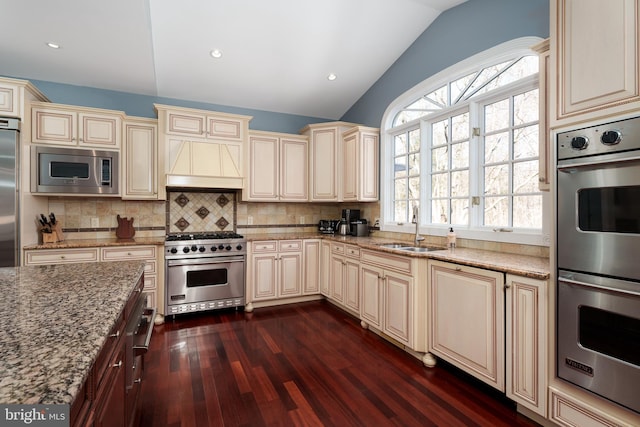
(463, 147)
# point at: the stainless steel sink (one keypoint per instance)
(405, 247)
(393, 245)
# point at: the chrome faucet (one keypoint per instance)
(415, 220)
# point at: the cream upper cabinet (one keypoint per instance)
(15, 97)
(202, 148)
(595, 55)
(361, 148)
(76, 126)
(140, 159)
(325, 160)
(276, 167)
(9, 99)
(526, 342)
(466, 307)
(544, 136)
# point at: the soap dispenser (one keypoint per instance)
(451, 238)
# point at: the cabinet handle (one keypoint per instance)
(116, 335)
(62, 257)
(117, 365)
(138, 380)
(507, 285)
(458, 268)
(128, 253)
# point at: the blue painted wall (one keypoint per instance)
(456, 34)
(142, 105)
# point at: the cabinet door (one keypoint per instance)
(337, 278)
(368, 161)
(9, 97)
(371, 297)
(325, 268)
(54, 126)
(264, 276)
(263, 168)
(352, 284)
(311, 258)
(219, 127)
(293, 169)
(467, 319)
(597, 48)
(110, 396)
(140, 160)
(290, 274)
(323, 165)
(179, 123)
(99, 130)
(398, 307)
(350, 167)
(526, 342)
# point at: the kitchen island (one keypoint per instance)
(54, 322)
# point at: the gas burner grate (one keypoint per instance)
(203, 236)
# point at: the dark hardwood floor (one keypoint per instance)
(302, 364)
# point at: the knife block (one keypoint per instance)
(55, 236)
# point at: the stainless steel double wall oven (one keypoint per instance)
(598, 260)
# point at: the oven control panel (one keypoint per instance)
(623, 135)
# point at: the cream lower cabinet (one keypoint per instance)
(311, 259)
(392, 297)
(466, 321)
(140, 159)
(344, 274)
(275, 269)
(526, 342)
(325, 268)
(153, 276)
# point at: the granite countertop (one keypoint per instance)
(521, 265)
(54, 320)
(85, 243)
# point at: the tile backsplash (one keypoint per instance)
(193, 212)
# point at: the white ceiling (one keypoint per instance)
(276, 53)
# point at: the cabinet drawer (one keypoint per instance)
(396, 262)
(104, 358)
(352, 251)
(266, 246)
(337, 248)
(128, 253)
(290, 245)
(57, 256)
(149, 282)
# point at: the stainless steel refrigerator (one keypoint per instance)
(9, 192)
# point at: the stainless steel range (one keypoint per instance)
(204, 271)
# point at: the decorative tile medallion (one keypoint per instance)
(222, 201)
(202, 212)
(222, 223)
(182, 224)
(182, 200)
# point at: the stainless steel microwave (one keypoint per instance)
(73, 171)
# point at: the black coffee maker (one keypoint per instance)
(351, 216)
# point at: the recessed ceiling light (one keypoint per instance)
(216, 53)
(53, 45)
(331, 77)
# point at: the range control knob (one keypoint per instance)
(173, 250)
(239, 247)
(201, 249)
(221, 247)
(611, 137)
(214, 248)
(185, 249)
(194, 248)
(579, 142)
(228, 248)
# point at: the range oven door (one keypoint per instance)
(599, 215)
(204, 279)
(598, 340)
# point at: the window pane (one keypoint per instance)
(440, 159)
(496, 212)
(400, 144)
(488, 74)
(460, 127)
(496, 179)
(440, 211)
(460, 183)
(400, 192)
(460, 157)
(440, 133)
(496, 148)
(400, 211)
(525, 142)
(525, 108)
(460, 211)
(527, 211)
(414, 140)
(458, 86)
(525, 177)
(496, 116)
(414, 164)
(439, 96)
(414, 188)
(400, 167)
(440, 185)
